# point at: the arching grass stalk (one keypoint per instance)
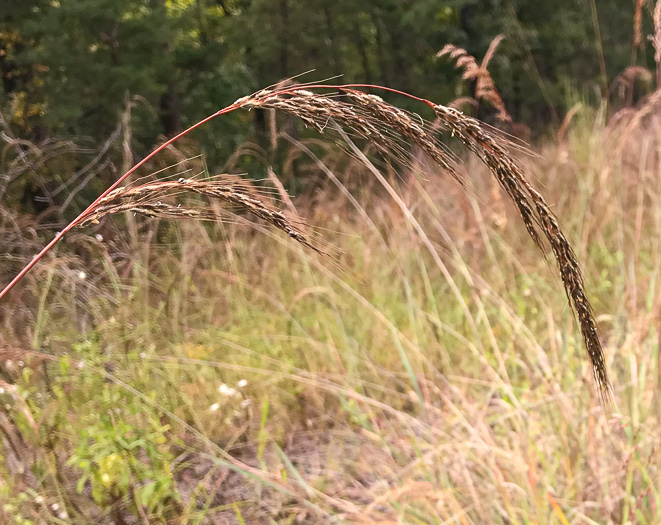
(390, 129)
(236, 105)
(58, 237)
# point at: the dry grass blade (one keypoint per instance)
(536, 215)
(656, 40)
(638, 24)
(624, 82)
(460, 102)
(148, 199)
(484, 85)
(562, 131)
(637, 117)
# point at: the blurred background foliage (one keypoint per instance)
(68, 66)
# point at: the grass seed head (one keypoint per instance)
(150, 199)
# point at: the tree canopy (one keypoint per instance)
(68, 66)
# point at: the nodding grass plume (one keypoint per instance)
(485, 87)
(376, 120)
(147, 199)
(536, 214)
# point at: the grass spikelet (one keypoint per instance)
(404, 124)
(316, 111)
(484, 85)
(150, 199)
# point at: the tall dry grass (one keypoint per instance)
(430, 374)
(371, 398)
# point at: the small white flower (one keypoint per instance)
(143, 355)
(39, 500)
(82, 275)
(226, 390)
(2, 390)
(242, 383)
(63, 515)
(246, 403)
(99, 237)
(80, 364)
(9, 363)
(214, 407)
(55, 507)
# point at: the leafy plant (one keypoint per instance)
(121, 460)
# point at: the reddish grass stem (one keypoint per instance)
(73, 223)
(228, 109)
